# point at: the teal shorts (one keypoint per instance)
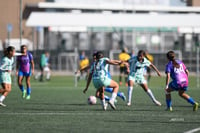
(98, 83)
(5, 78)
(139, 79)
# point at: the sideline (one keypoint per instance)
(193, 130)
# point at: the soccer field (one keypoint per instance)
(58, 106)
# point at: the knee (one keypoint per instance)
(8, 89)
(180, 94)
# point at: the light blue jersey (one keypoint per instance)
(100, 73)
(137, 70)
(100, 69)
(5, 66)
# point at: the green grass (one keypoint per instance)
(58, 106)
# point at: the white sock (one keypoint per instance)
(130, 90)
(149, 92)
(48, 75)
(2, 98)
(103, 102)
(113, 97)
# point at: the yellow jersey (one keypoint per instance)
(123, 57)
(84, 63)
(150, 57)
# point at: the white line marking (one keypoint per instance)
(193, 130)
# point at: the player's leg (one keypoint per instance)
(100, 91)
(189, 99)
(130, 90)
(41, 73)
(120, 75)
(150, 93)
(48, 75)
(119, 94)
(111, 83)
(21, 87)
(7, 89)
(28, 85)
(168, 99)
(126, 76)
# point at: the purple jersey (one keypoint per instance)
(178, 75)
(24, 62)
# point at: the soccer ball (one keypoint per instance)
(92, 100)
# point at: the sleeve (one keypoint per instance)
(4, 63)
(30, 56)
(167, 69)
(184, 67)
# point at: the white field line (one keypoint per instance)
(193, 130)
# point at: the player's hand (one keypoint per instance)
(33, 71)
(16, 73)
(159, 74)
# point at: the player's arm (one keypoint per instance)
(155, 68)
(17, 66)
(187, 72)
(32, 66)
(114, 62)
(19, 54)
(88, 82)
(167, 80)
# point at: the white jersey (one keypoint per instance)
(136, 67)
(100, 69)
(6, 64)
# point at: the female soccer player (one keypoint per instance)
(5, 73)
(179, 74)
(107, 89)
(24, 68)
(98, 73)
(136, 75)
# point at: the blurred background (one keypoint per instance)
(66, 28)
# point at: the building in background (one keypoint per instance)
(62, 26)
(10, 20)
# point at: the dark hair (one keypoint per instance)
(23, 46)
(8, 50)
(99, 55)
(171, 57)
(142, 52)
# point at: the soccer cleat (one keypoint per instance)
(115, 100)
(3, 105)
(169, 109)
(105, 106)
(128, 104)
(157, 103)
(24, 94)
(196, 106)
(28, 97)
(112, 104)
(123, 96)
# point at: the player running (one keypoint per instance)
(136, 75)
(98, 73)
(5, 73)
(24, 68)
(107, 89)
(177, 70)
